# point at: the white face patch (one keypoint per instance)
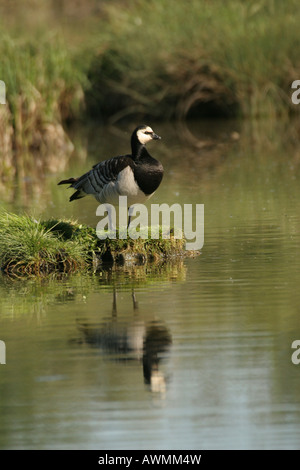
(144, 135)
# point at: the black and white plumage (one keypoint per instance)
(136, 176)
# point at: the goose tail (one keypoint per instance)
(68, 181)
(77, 195)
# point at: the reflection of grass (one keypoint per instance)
(150, 274)
(31, 247)
(19, 295)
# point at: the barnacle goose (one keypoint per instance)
(136, 176)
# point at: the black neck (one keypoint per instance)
(138, 150)
(148, 172)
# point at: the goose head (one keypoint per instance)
(144, 134)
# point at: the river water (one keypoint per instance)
(188, 354)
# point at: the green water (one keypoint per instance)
(189, 354)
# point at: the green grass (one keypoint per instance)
(170, 60)
(43, 86)
(31, 247)
(157, 58)
(39, 72)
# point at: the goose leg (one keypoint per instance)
(110, 219)
(135, 302)
(114, 308)
(129, 215)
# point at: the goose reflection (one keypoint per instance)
(147, 342)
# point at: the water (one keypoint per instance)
(215, 371)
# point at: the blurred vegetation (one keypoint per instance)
(197, 57)
(110, 60)
(43, 89)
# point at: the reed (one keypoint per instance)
(43, 89)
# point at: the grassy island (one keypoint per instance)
(31, 247)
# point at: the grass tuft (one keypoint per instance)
(28, 247)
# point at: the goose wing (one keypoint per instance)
(101, 176)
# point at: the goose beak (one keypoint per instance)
(155, 137)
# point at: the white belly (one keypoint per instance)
(125, 185)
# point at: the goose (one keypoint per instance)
(136, 176)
